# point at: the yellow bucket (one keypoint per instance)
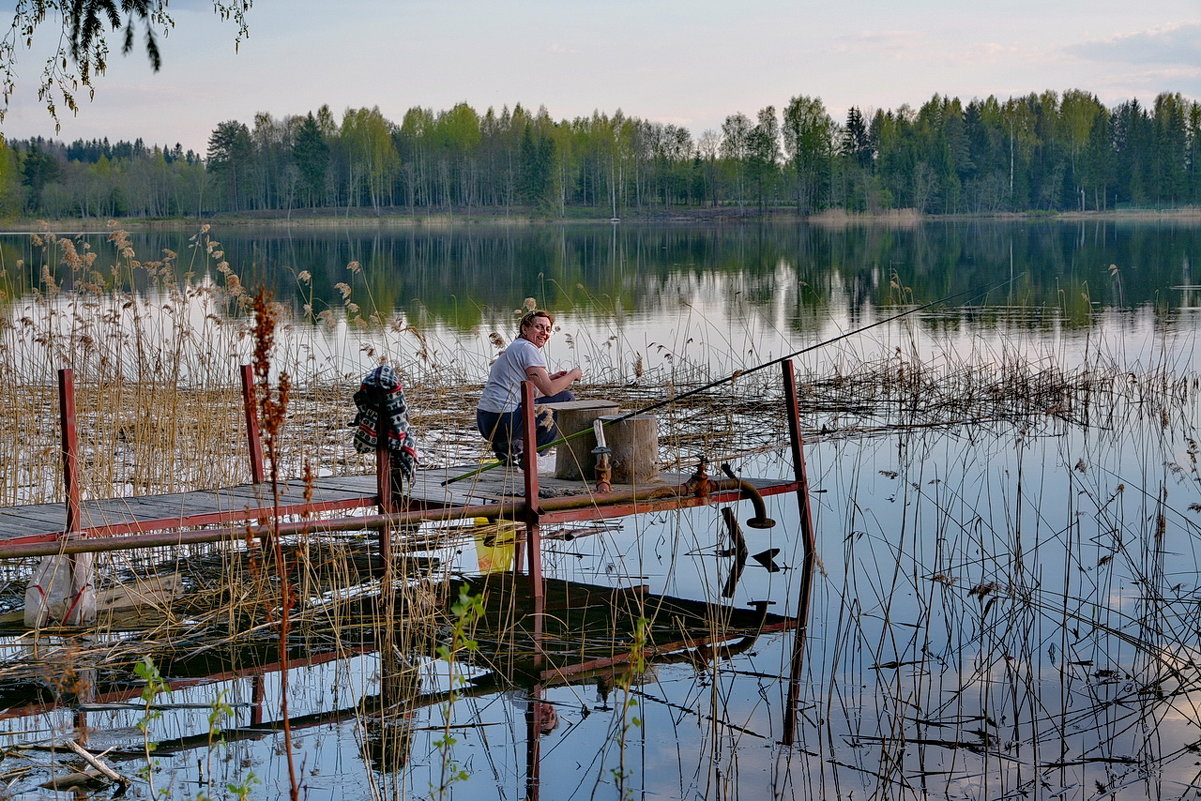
(494, 542)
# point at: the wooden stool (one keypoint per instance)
(574, 459)
(635, 445)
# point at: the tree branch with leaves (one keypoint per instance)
(82, 50)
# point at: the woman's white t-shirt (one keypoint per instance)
(502, 392)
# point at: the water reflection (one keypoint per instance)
(610, 639)
(684, 298)
(451, 275)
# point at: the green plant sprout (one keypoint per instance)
(465, 612)
(156, 685)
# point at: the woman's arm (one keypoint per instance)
(549, 384)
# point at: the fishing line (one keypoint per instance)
(740, 373)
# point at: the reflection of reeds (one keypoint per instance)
(1006, 609)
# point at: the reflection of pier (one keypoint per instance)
(594, 635)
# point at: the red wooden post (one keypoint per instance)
(253, 440)
(387, 503)
(70, 447)
(809, 542)
(533, 508)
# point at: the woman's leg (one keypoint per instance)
(502, 430)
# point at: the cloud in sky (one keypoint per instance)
(691, 62)
(1169, 44)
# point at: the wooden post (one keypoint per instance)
(253, 440)
(533, 508)
(574, 459)
(70, 447)
(535, 723)
(635, 446)
(258, 693)
(809, 541)
(387, 502)
(62, 589)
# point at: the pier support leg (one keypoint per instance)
(533, 507)
(70, 447)
(62, 589)
(387, 505)
(538, 721)
(254, 440)
(809, 541)
(538, 712)
(258, 694)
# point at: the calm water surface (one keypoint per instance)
(721, 297)
(1001, 611)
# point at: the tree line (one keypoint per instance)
(1039, 152)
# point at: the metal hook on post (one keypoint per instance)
(760, 520)
(604, 467)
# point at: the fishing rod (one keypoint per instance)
(740, 373)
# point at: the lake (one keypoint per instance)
(1005, 487)
(719, 296)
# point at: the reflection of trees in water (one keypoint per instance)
(450, 274)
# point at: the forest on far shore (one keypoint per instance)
(1041, 152)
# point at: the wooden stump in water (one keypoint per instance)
(635, 445)
(574, 459)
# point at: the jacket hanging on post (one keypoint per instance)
(381, 404)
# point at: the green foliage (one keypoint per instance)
(241, 790)
(808, 144)
(155, 686)
(366, 138)
(231, 159)
(1045, 151)
(10, 182)
(219, 712)
(637, 666)
(310, 154)
(465, 611)
(82, 46)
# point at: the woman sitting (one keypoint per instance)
(500, 412)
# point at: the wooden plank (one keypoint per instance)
(332, 493)
(574, 405)
(148, 507)
(53, 515)
(364, 484)
(259, 496)
(15, 527)
(328, 492)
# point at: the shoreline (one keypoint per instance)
(325, 218)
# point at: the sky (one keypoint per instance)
(688, 63)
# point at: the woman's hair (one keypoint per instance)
(528, 319)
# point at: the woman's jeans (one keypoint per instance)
(503, 429)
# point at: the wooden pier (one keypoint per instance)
(367, 502)
(252, 503)
(78, 525)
